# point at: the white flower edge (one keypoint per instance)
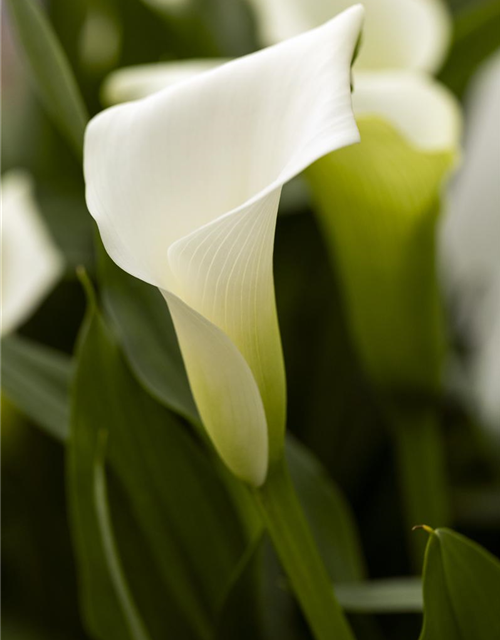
(469, 240)
(31, 262)
(139, 81)
(185, 186)
(398, 34)
(426, 113)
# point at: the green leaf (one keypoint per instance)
(461, 588)
(142, 322)
(50, 70)
(36, 379)
(328, 513)
(476, 36)
(377, 203)
(167, 503)
(101, 604)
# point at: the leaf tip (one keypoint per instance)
(88, 287)
(425, 527)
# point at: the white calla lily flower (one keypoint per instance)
(398, 34)
(185, 186)
(470, 240)
(31, 262)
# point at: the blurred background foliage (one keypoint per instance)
(331, 406)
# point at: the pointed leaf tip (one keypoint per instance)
(425, 527)
(88, 287)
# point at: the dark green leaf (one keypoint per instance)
(101, 604)
(461, 589)
(142, 322)
(328, 514)
(476, 36)
(177, 533)
(50, 70)
(36, 379)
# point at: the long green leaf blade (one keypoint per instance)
(50, 70)
(142, 323)
(131, 615)
(328, 513)
(167, 503)
(102, 609)
(36, 379)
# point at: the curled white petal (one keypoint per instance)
(224, 271)
(205, 147)
(216, 371)
(31, 263)
(185, 186)
(423, 110)
(399, 34)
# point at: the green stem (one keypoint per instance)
(293, 541)
(422, 474)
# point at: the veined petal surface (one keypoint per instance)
(31, 262)
(159, 168)
(225, 391)
(185, 186)
(399, 34)
(224, 270)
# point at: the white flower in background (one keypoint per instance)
(398, 34)
(470, 239)
(403, 42)
(131, 83)
(31, 262)
(185, 186)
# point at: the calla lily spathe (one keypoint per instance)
(378, 205)
(185, 186)
(411, 128)
(31, 262)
